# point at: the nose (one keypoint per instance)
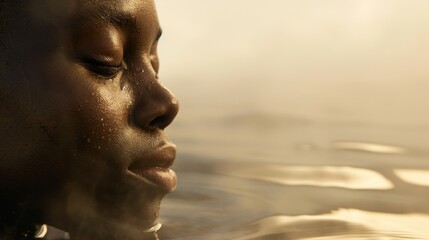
(155, 108)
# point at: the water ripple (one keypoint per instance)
(321, 176)
(414, 176)
(367, 147)
(341, 224)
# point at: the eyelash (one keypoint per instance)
(103, 70)
(107, 71)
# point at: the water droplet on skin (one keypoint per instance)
(152, 233)
(123, 86)
(142, 71)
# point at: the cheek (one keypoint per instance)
(92, 112)
(103, 114)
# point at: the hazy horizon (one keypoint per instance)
(335, 60)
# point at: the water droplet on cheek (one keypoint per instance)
(123, 86)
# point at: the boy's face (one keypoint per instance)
(83, 120)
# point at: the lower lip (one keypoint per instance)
(164, 178)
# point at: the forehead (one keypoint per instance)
(136, 7)
(55, 11)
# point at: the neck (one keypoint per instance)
(16, 222)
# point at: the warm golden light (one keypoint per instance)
(367, 147)
(414, 176)
(320, 176)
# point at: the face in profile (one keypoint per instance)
(83, 115)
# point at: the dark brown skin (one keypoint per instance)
(80, 103)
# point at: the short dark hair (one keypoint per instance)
(8, 9)
(5, 10)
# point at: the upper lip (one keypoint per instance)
(163, 157)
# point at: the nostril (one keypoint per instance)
(155, 112)
(159, 122)
(154, 116)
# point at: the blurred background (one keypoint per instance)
(300, 119)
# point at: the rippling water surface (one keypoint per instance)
(300, 119)
(241, 179)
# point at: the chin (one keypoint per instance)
(108, 231)
(111, 224)
(112, 229)
(109, 211)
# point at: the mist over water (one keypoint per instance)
(299, 119)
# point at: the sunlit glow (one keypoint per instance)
(367, 11)
(322, 176)
(153, 229)
(42, 231)
(367, 147)
(343, 224)
(413, 176)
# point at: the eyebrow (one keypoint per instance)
(122, 20)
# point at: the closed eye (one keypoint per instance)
(103, 70)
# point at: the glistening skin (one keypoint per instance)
(83, 116)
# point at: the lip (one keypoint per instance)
(154, 168)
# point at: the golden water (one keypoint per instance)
(300, 119)
(248, 179)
